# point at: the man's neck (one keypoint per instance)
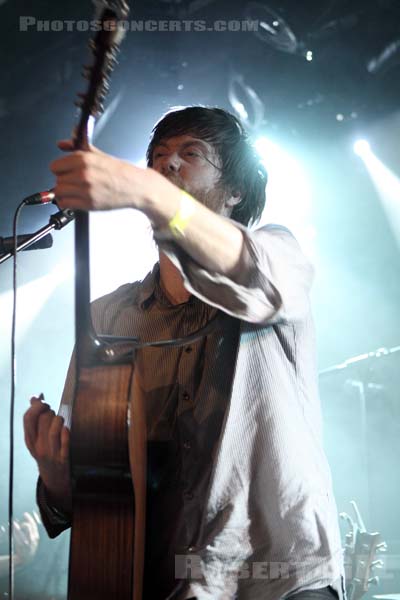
(171, 281)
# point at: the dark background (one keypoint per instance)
(357, 289)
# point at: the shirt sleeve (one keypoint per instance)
(273, 284)
(53, 519)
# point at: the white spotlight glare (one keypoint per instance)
(121, 233)
(362, 147)
(288, 192)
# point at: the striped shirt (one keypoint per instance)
(240, 500)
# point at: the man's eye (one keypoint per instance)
(158, 155)
(191, 153)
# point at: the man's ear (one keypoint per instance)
(234, 199)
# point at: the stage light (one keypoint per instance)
(31, 299)
(121, 249)
(288, 192)
(362, 147)
(387, 185)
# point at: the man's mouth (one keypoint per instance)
(176, 181)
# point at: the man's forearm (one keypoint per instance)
(210, 239)
(96, 181)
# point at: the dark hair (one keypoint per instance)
(241, 172)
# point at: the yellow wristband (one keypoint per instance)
(181, 218)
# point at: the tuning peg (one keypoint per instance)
(373, 580)
(365, 547)
(100, 104)
(99, 108)
(103, 90)
(382, 547)
(348, 519)
(114, 52)
(110, 67)
(113, 57)
(79, 102)
(377, 564)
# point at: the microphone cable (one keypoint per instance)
(12, 411)
(57, 221)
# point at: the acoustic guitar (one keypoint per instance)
(107, 454)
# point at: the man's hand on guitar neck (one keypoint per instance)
(93, 180)
(47, 440)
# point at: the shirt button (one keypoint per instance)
(188, 349)
(186, 396)
(187, 445)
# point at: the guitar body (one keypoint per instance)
(103, 524)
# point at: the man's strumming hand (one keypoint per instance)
(47, 439)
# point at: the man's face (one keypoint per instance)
(193, 165)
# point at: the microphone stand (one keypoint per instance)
(359, 371)
(56, 221)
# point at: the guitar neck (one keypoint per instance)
(86, 341)
(85, 336)
(104, 47)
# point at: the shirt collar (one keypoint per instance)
(151, 289)
(147, 289)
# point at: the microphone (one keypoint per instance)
(40, 198)
(7, 243)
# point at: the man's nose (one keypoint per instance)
(172, 162)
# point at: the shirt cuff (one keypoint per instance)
(54, 520)
(273, 284)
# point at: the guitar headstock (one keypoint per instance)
(119, 7)
(360, 553)
(104, 47)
